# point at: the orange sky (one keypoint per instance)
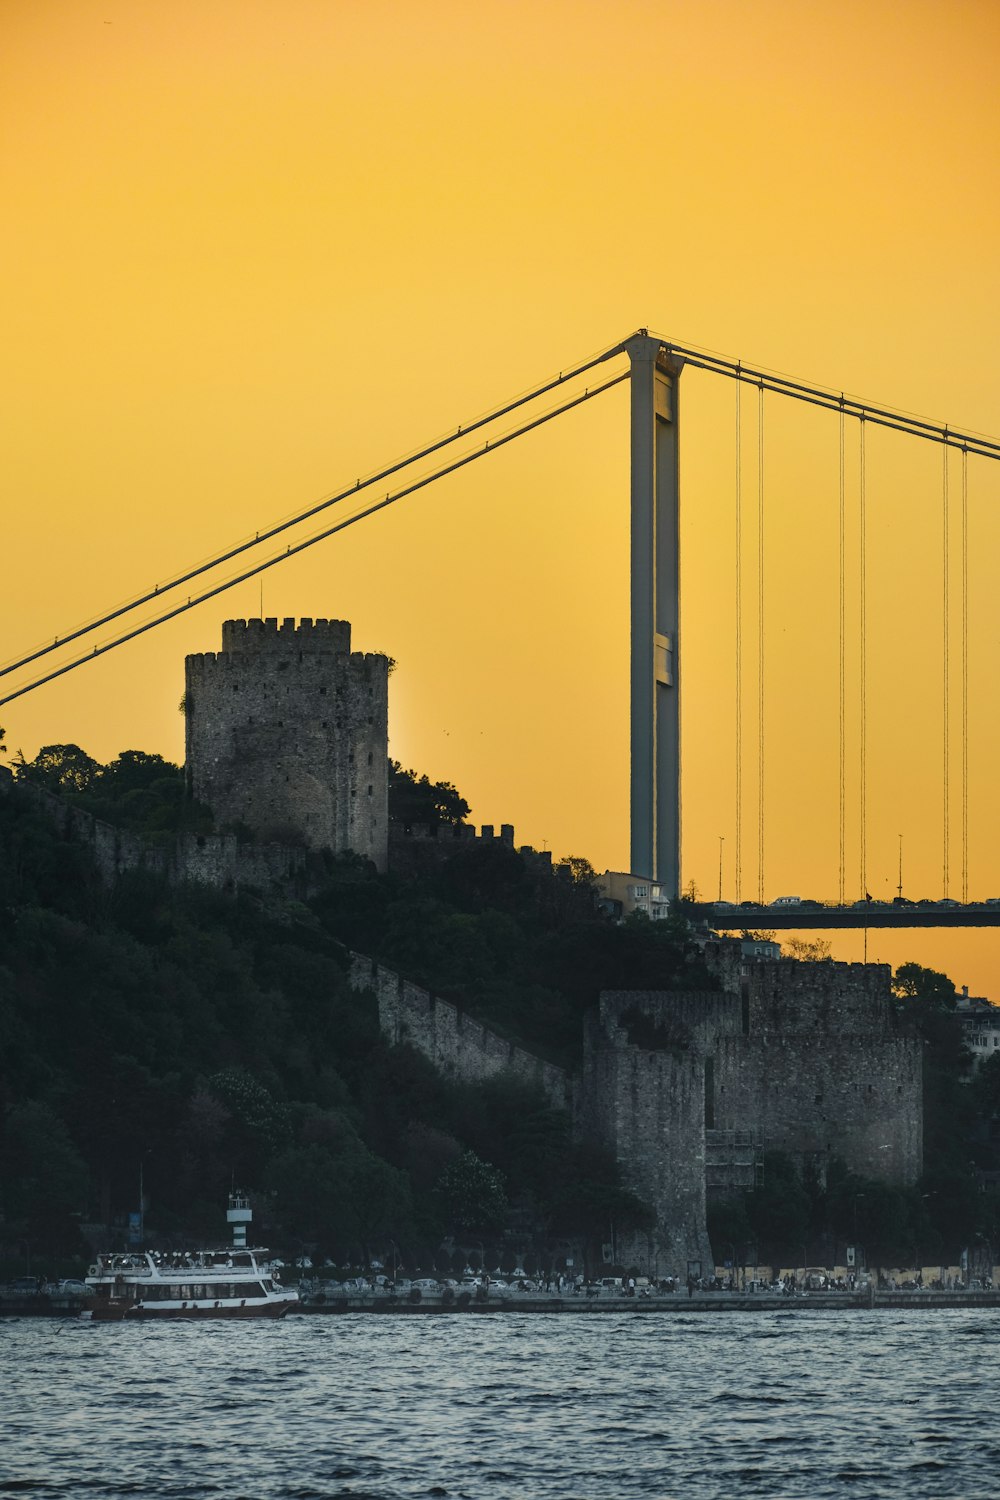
(253, 250)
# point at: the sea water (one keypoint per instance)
(789, 1404)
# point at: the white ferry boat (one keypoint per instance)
(235, 1282)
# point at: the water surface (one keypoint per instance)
(787, 1404)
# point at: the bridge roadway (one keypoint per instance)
(725, 916)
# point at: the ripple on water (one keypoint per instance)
(794, 1405)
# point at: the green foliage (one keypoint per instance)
(730, 1230)
(472, 1194)
(417, 799)
(45, 1186)
(58, 768)
(926, 1001)
(808, 952)
(138, 791)
(206, 1041)
(779, 1211)
(912, 982)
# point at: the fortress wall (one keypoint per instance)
(823, 1067)
(700, 1014)
(463, 1048)
(415, 848)
(828, 999)
(851, 1096)
(218, 860)
(649, 1108)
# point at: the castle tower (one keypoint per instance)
(287, 734)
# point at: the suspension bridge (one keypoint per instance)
(653, 368)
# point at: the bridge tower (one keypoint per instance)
(656, 750)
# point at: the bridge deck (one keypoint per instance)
(813, 914)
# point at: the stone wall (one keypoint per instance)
(647, 1104)
(218, 860)
(463, 1048)
(287, 734)
(416, 848)
(805, 1058)
(823, 1067)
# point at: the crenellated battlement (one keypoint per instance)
(274, 638)
(287, 734)
(357, 662)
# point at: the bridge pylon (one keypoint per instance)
(655, 715)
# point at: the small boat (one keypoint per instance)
(234, 1282)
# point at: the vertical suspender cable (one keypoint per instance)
(739, 643)
(965, 674)
(842, 825)
(863, 488)
(946, 643)
(760, 644)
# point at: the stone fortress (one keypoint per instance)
(688, 1089)
(287, 735)
(287, 738)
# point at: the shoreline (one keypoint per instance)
(671, 1303)
(675, 1303)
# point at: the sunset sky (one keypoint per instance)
(254, 249)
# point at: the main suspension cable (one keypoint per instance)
(490, 446)
(701, 359)
(260, 537)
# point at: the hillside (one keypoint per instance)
(199, 1042)
(206, 1041)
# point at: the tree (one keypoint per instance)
(414, 799)
(807, 952)
(912, 982)
(581, 872)
(779, 1210)
(472, 1194)
(45, 1179)
(133, 771)
(59, 768)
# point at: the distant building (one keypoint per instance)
(621, 894)
(980, 1025)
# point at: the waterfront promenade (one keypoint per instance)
(379, 1301)
(63, 1303)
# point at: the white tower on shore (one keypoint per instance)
(239, 1215)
